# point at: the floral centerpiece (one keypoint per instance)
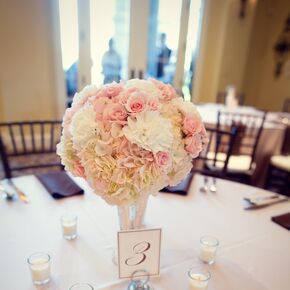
(131, 139)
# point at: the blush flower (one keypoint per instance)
(115, 112)
(191, 125)
(113, 90)
(162, 159)
(136, 102)
(153, 104)
(193, 145)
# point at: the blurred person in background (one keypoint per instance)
(163, 57)
(111, 64)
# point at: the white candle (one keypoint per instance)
(39, 264)
(69, 225)
(207, 254)
(69, 229)
(40, 270)
(208, 248)
(198, 279)
(81, 286)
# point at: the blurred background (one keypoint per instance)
(51, 49)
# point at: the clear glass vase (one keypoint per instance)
(132, 216)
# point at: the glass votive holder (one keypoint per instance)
(69, 225)
(140, 281)
(198, 278)
(81, 286)
(39, 264)
(208, 248)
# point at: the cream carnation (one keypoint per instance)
(149, 131)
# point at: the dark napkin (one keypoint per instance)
(59, 184)
(283, 220)
(181, 188)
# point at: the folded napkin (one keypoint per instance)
(259, 199)
(181, 188)
(283, 220)
(59, 184)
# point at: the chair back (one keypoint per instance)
(286, 105)
(24, 139)
(213, 160)
(249, 128)
(221, 98)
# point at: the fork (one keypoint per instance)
(23, 197)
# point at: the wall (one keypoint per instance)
(27, 84)
(236, 45)
(262, 89)
(240, 52)
(210, 52)
(225, 41)
(138, 45)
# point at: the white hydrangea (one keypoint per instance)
(145, 86)
(150, 131)
(87, 91)
(186, 107)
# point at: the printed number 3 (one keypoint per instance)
(139, 250)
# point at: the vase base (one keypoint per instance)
(115, 257)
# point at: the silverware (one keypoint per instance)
(8, 195)
(213, 187)
(252, 205)
(261, 198)
(204, 188)
(23, 197)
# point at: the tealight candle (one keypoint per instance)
(208, 247)
(198, 279)
(69, 225)
(81, 286)
(39, 264)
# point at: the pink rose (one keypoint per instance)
(99, 105)
(204, 136)
(162, 159)
(167, 91)
(100, 94)
(136, 102)
(115, 112)
(79, 169)
(153, 104)
(112, 90)
(193, 145)
(191, 125)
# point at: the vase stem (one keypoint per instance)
(132, 216)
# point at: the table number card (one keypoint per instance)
(139, 250)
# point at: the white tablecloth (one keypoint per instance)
(254, 253)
